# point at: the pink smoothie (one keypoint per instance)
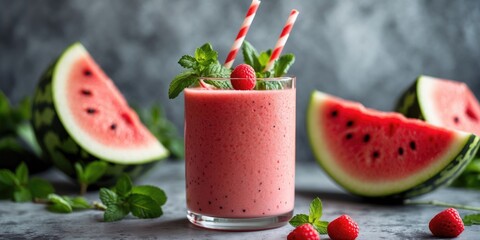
(240, 152)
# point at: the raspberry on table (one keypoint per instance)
(344, 228)
(447, 223)
(304, 232)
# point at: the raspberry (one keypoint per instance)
(447, 223)
(243, 77)
(343, 228)
(304, 232)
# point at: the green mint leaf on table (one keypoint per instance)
(77, 202)
(90, 174)
(108, 197)
(143, 206)
(40, 188)
(314, 217)
(471, 219)
(116, 212)
(123, 186)
(157, 194)
(58, 204)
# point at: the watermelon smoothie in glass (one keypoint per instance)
(240, 156)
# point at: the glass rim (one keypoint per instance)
(283, 78)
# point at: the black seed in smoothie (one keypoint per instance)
(366, 138)
(221, 207)
(209, 202)
(244, 210)
(226, 196)
(259, 190)
(400, 151)
(113, 126)
(413, 146)
(232, 210)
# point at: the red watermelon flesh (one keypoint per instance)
(449, 104)
(384, 145)
(379, 154)
(100, 109)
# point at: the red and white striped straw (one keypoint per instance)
(242, 33)
(282, 39)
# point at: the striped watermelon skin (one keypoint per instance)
(60, 147)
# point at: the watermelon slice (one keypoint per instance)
(80, 116)
(443, 103)
(378, 154)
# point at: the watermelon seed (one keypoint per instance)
(376, 154)
(456, 120)
(412, 145)
(350, 123)
(349, 136)
(334, 113)
(366, 138)
(87, 72)
(400, 151)
(91, 110)
(86, 92)
(113, 126)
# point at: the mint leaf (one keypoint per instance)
(205, 55)
(263, 59)
(216, 70)
(40, 188)
(283, 64)
(108, 197)
(220, 84)
(268, 85)
(315, 210)
(22, 173)
(8, 178)
(157, 194)
(22, 194)
(123, 186)
(94, 171)
(471, 219)
(321, 226)
(143, 206)
(298, 220)
(77, 202)
(187, 61)
(250, 56)
(115, 212)
(180, 82)
(80, 173)
(58, 204)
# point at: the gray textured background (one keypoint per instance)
(367, 50)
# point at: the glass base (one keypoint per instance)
(238, 224)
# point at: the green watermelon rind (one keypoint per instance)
(61, 148)
(460, 157)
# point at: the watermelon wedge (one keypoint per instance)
(384, 155)
(80, 116)
(443, 103)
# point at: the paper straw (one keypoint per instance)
(242, 33)
(282, 39)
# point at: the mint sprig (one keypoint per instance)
(66, 204)
(20, 188)
(89, 174)
(471, 219)
(314, 217)
(142, 201)
(203, 64)
(259, 60)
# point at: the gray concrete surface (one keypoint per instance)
(32, 221)
(366, 50)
